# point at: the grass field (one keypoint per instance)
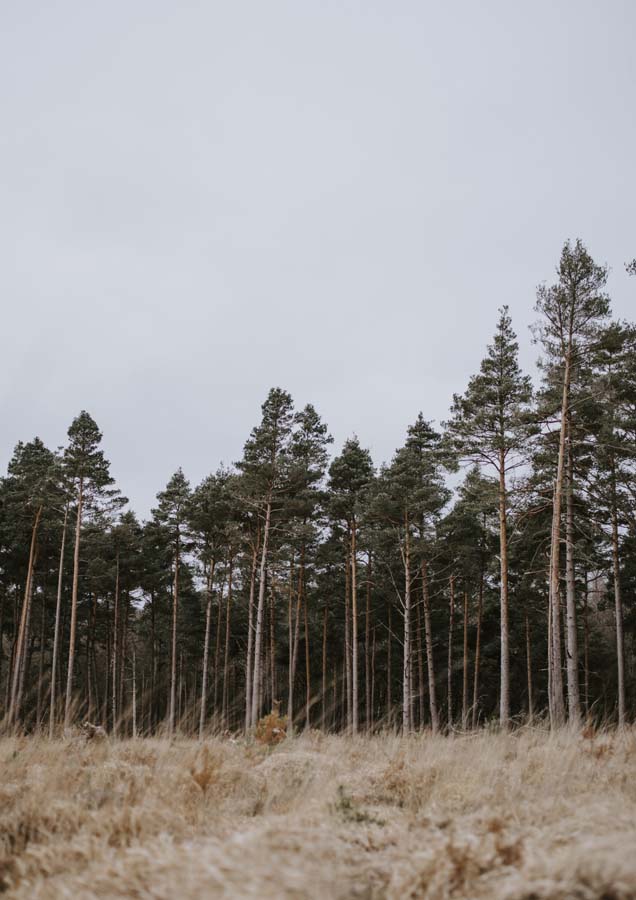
(525, 815)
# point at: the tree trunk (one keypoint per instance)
(68, 706)
(290, 649)
(173, 666)
(420, 665)
(20, 644)
(618, 606)
(529, 670)
(430, 662)
(324, 669)
(451, 622)
(465, 667)
(260, 610)
(586, 650)
(504, 695)
(226, 655)
(250, 634)
(38, 712)
(348, 641)
(354, 630)
(389, 674)
(115, 669)
(557, 708)
(480, 605)
(572, 667)
(206, 650)
(367, 650)
(307, 667)
(406, 668)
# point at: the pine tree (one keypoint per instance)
(490, 426)
(349, 476)
(172, 515)
(572, 310)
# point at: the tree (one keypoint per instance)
(172, 515)
(490, 426)
(572, 310)
(264, 466)
(349, 475)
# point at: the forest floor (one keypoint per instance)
(524, 815)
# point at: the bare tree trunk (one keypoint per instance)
(115, 694)
(529, 669)
(324, 668)
(206, 650)
(26, 654)
(618, 606)
(260, 611)
(348, 679)
(307, 667)
(465, 667)
(226, 655)
(217, 649)
(451, 622)
(173, 667)
(504, 696)
(68, 706)
(586, 650)
(38, 711)
(557, 706)
(290, 652)
(134, 691)
(372, 721)
(250, 634)
(367, 649)
(572, 660)
(354, 635)
(420, 665)
(20, 644)
(480, 604)
(430, 662)
(406, 669)
(389, 674)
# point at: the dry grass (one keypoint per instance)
(527, 815)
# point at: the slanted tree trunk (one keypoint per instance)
(260, 612)
(206, 649)
(20, 643)
(430, 662)
(572, 661)
(68, 706)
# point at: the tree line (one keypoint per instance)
(487, 572)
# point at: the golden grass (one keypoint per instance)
(525, 815)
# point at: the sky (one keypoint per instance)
(200, 201)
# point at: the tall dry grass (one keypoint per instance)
(524, 815)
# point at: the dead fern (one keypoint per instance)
(272, 729)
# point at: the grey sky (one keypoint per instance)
(202, 200)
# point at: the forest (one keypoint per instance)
(486, 574)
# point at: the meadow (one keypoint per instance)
(529, 814)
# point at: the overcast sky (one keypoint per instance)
(202, 200)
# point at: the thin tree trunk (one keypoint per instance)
(307, 667)
(260, 610)
(367, 649)
(115, 666)
(406, 669)
(372, 721)
(430, 662)
(173, 666)
(68, 706)
(348, 642)
(480, 604)
(572, 655)
(618, 606)
(250, 634)
(504, 696)
(134, 691)
(354, 634)
(529, 669)
(420, 664)
(20, 643)
(206, 650)
(586, 650)
(226, 655)
(38, 712)
(465, 667)
(557, 706)
(389, 674)
(324, 668)
(451, 622)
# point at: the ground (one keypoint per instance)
(524, 815)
